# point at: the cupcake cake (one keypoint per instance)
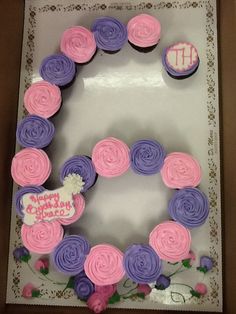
(144, 32)
(180, 60)
(110, 34)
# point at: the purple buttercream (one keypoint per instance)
(147, 157)
(142, 264)
(81, 165)
(175, 73)
(35, 131)
(110, 34)
(189, 207)
(206, 262)
(83, 286)
(57, 69)
(70, 254)
(20, 252)
(162, 282)
(21, 192)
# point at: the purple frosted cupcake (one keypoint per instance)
(83, 166)
(142, 264)
(110, 34)
(21, 192)
(189, 207)
(35, 131)
(70, 254)
(147, 157)
(180, 60)
(58, 69)
(83, 286)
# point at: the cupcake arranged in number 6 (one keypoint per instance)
(96, 271)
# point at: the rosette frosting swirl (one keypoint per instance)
(70, 254)
(171, 241)
(42, 237)
(181, 170)
(81, 165)
(110, 34)
(147, 157)
(142, 264)
(189, 207)
(111, 157)
(35, 131)
(42, 99)
(78, 44)
(21, 192)
(144, 30)
(31, 166)
(104, 265)
(83, 286)
(79, 205)
(57, 69)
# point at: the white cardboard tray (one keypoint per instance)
(128, 95)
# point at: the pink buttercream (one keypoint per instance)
(28, 290)
(144, 288)
(106, 291)
(41, 263)
(201, 288)
(31, 166)
(192, 257)
(111, 157)
(171, 241)
(97, 303)
(42, 237)
(78, 44)
(181, 170)
(144, 30)
(79, 205)
(42, 99)
(104, 265)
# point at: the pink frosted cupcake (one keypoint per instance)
(144, 32)
(78, 44)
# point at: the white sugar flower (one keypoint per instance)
(73, 183)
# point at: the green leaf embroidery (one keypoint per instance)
(202, 269)
(195, 294)
(186, 263)
(141, 295)
(160, 287)
(114, 299)
(35, 293)
(44, 271)
(70, 283)
(25, 258)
